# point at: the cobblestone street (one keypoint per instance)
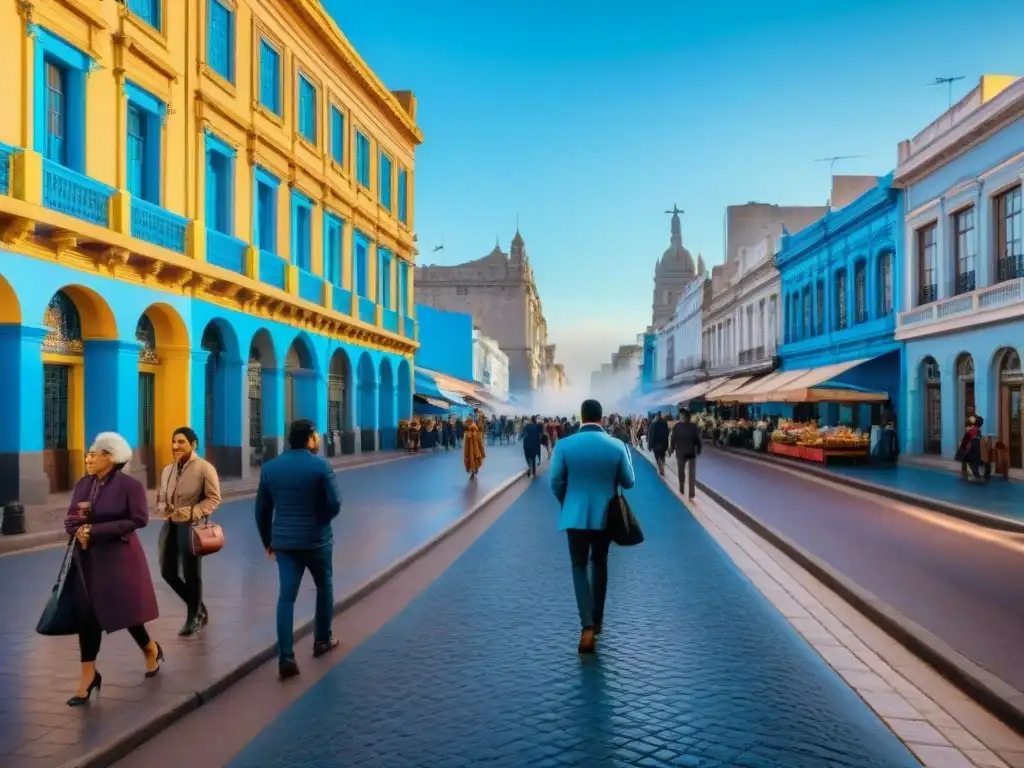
(695, 667)
(388, 510)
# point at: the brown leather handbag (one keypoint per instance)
(206, 538)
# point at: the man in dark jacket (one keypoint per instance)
(531, 445)
(686, 445)
(296, 501)
(657, 441)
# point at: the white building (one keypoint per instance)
(490, 365)
(678, 353)
(742, 328)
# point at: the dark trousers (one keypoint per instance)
(291, 566)
(531, 461)
(587, 545)
(659, 457)
(90, 636)
(177, 561)
(686, 479)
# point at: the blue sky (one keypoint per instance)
(589, 119)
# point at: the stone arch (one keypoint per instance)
(339, 436)
(163, 384)
(404, 390)
(301, 393)
(931, 380)
(96, 316)
(221, 376)
(1009, 383)
(264, 399)
(366, 402)
(10, 307)
(387, 421)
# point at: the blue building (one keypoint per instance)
(840, 295)
(963, 324)
(444, 363)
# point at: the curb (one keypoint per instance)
(10, 545)
(993, 694)
(968, 514)
(108, 754)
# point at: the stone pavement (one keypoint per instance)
(388, 510)
(695, 667)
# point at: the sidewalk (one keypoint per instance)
(695, 667)
(388, 510)
(998, 503)
(44, 523)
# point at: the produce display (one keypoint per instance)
(810, 435)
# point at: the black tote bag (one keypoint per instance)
(621, 524)
(61, 615)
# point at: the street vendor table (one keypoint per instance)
(818, 454)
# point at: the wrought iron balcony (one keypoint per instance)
(409, 327)
(367, 310)
(754, 355)
(311, 287)
(225, 251)
(159, 226)
(1010, 268)
(6, 158)
(967, 309)
(927, 294)
(390, 321)
(273, 269)
(71, 193)
(965, 282)
(341, 300)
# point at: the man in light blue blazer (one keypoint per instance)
(587, 470)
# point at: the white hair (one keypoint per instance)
(113, 444)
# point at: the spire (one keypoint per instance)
(677, 230)
(701, 269)
(517, 241)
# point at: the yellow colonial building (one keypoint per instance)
(206, 213)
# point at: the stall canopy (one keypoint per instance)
(701, 388)
(723, 392)
(430, 389)
(808, 385)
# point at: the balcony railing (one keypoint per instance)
(1010, 267)
(71, 193)
(273, 269)
(341, 300)
(998, 296)
(753, 355)
(367, 310)
(6, 157)
(965, 282)
(311, 287)
(409, 328)
(158, 226)
(389, 321)
(225, 251)
(927, 294)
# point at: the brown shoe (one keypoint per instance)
(588, 643)
(287, 669)
(321, 648)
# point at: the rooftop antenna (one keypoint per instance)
(948, 82)
(440, 249)
(834, 159)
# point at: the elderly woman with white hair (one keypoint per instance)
(107, 507)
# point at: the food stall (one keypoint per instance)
(809, 442)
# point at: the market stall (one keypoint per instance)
(809, 442)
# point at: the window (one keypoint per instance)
(926, 267)
(403, 195)
(220, 39)
(147, 10)
(332, 248)
(384, 181)
(59, 100)
(403, 287)
(307, 110)
(360, 263)
(362, 159)
(885, 279)
(963, 250)
(220, 187)
(384, 278)
(270, 77)
(860, 293)
(806, 334)
(302, 226)
(1009, 235)
(337, 136)
(145, 121)
(819, 308)
(842, 321)
(265, 223)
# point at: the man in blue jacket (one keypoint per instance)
(587, 470)
(296, 501)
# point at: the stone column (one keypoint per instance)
(112, 392)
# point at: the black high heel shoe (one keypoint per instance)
(97, 683)
(159, 658)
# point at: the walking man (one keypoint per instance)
(296, 501)
(587, 470)
(657, 441)
(685, 443)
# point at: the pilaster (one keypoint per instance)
(347, 233)
(371, 270)
(28, 84)
(316, 241)
(112, 388)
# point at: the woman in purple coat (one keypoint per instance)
(107, 507)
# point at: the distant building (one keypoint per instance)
(674, 271)
(490, 365)
(679, 356)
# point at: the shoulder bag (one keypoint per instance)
(61, 615)
(621, 524)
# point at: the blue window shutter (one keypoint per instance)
(361, 264)
(403, 195)
(337, 136)
(307, 109)
(212, 184)
(56, 116)
(220, 39)
(270, 77)
(362, 159)
(136, 151)
(147, 10)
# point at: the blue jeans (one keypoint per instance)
(291, 565)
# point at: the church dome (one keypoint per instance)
(676, 260)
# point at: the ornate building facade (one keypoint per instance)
(490, 365)
(500, 293)
(679, 353)
(674, 271)
(207, 218)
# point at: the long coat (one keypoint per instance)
(531, 440)
(473, 453)
(115, 572)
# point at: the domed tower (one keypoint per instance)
(675, 270)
